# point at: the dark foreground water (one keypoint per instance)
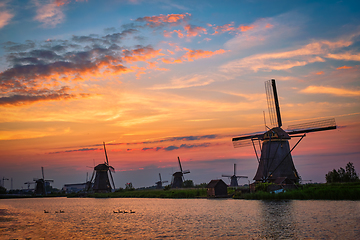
(88, 218)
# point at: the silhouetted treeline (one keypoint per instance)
(342, 175)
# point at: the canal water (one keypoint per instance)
(90, 218)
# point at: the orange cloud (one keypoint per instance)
(193, 31)
(195, 54)
(171, 60)
(224, 28)
(319, 73)
(268, 25)
(331, 90)
(156, 21)
(344, 67)
(141, 54)
(245, 28)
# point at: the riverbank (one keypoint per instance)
(333, 191)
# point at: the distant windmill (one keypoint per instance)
(3, 181)
(159, 183)
(275, 163)
(101, 182)
(29, 183)
(41, 183)
(234, 178)
(178, 177)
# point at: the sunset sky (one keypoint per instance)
(159, 79)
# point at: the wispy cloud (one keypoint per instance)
(332, 91)
(49, 14)
(5, 15)
(185, 82)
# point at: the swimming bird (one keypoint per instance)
(115, 211)
(56, 212)
(46, 211)
(61, 211)
(125, 212)
(131, 211)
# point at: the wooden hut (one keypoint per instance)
(216, 188)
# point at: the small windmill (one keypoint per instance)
(41, 183)
(101, 182)
(178, 177)
(28, 184)
(276, 163)
(159, 183)
(234, 178)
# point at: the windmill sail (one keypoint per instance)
(316, 126)
(273, 103)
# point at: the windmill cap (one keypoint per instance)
(276, 133)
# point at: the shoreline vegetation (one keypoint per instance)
(324, 191)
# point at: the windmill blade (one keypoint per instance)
(92, 177)
(42, 171)
(241, 176)
(111, 169)
(107, 160)
(226, 176)
(316, 126)
(50, 180)
(112, 180)
(186, 172)
(234, 169)
(246, 139)
(273, 103)
(180, 164)
(165, 181)
(160, 177)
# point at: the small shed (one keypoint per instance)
(216, 188)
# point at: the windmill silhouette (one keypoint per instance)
(234, 178)
(178, 177)
(276, 163)
(41, 183)
(101, 182)
(159, 183)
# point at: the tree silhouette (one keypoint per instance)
(342, 175)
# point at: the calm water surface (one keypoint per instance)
(178, 219)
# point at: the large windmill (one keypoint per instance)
(101, 182)
(275, 163)
(41, 183)
(178, 177)
(234, 178)
(159, 183)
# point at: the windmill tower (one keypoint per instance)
(101, 182)
(178, 177)
(234, 178)
(159, 183)
(276, 163)
(41, 183)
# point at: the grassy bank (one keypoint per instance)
(171, 193)
(334, 191)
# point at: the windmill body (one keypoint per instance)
(41, 184)
(102, 182)
(234, 178)
(276, 163)
(178, 177)
(159, 183)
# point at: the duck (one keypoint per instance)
(56, 212)
(131, 211)
(125, 212)
(62, 211)
(46, 211)
(115, 211)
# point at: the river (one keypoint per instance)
(90, 218)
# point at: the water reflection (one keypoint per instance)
(277, 219)
(178, 219)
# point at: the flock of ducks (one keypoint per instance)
(61, 211)
(119, 211)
